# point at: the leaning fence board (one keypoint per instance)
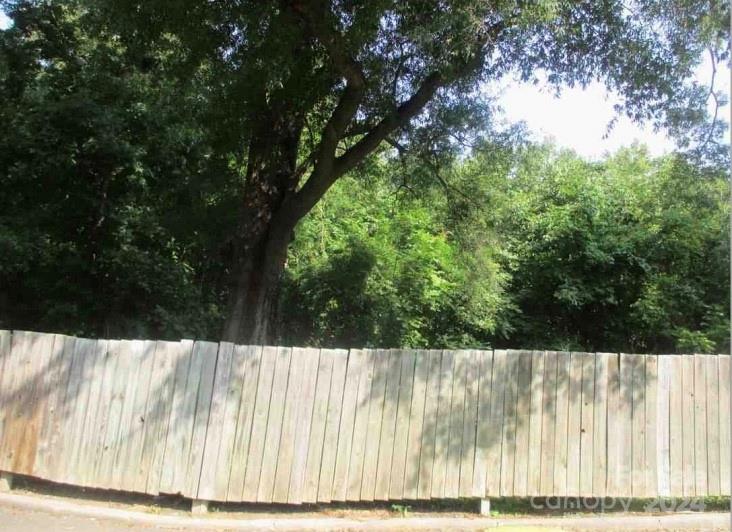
(246, 362)
(356, 362)
(304, 424)
(246, 423)
(373, 426)
(401, 430)
(274, 424)
(285, 455)
(203, 357)
(213, 469)
(416, 425)
(442, 434)
(318, 425)
(330, 439)
(429, 427)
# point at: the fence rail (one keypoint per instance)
(298, 425)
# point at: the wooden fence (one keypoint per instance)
(291, 425)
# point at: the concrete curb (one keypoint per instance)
(690, 521)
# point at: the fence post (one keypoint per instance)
(6, 481)
(199, 506)
(485, 507)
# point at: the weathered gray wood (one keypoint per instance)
(132, 351)
(317, 427)
(429, 427)
(508, 446)
(457, 413)
(700, 426)
(356, 362)
(710, 363)
(203, 357)
(388, 426)
(588, 424)
(493, 462)
(360, 427)
(483, 429)
(330, 440)
(574, 424)
(599, 422)
(145, 350)
(246, 364)
(562, 424)
(373, 428)
(536, 391)
(687, 419)
(676, 431)
(259, 424)
(7, 386)
(724, 424)
(416, 424)
(467, 453)
(625, 427)
(615, 425)
(442, 434)
(638, 427)
(179, 426)
(286, 454)
(651, 443)
(663, 429)
(304, 418)
(549, 414)
(274, 424)
(401, 430)
(214, 469)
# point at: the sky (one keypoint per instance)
(578, 118)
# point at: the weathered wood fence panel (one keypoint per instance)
(290, 425)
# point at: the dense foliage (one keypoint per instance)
(122, 170)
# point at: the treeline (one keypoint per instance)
(120, 186)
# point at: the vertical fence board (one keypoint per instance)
(663, 428)
(293, 400)
(483, 444)
(416, 424)
(317, 426)
(508, 441)
(548, 422)
(638, 426)
(442, 432)
(274, 424)
(588, 424)
(676, 428)
(360, 427)
(304, 417)
(404, 403)
(429, 429)
(455, 438)
(710, 363)
(245, 365)
(330, 442)
(724, 425)
(599, 429)
(536, 391)
(467, 453)
(574, 425)
(493, 462)
(562, 423)
(687, 420)
(345, 431)
(700, 426)
(650, 464)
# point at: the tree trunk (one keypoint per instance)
(264, 230)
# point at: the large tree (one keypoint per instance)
(303, 91)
